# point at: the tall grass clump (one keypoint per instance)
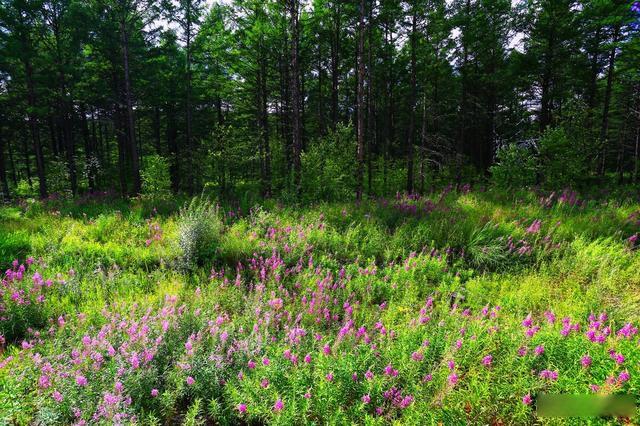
(199, 231)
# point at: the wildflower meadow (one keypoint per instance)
(455, 308)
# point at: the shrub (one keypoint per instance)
(561, 160)
(515, 167)
(58, 178)
(156, 180)
(199, 231)
(328, 166)
(26, 190)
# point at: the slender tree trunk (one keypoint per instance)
(14, 174)
(412, 103)
(335, 51)
(88, 149)
(27, 160)
(172, 144)
(135, 161)
(121, 137)
(607, 101)
(423, 148)
(371, 134)
(546, 99)
(35, 131)
(296, 141)
(156, 130)
(4, 183)
(360, 101)
(52, 136)
(264, 127)
(189, 136)
(322, 126)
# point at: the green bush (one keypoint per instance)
(199, 231)
(156, 179)
(561, 160)
(515, 167)
(58, 178)
(26, 190)
(329, 166)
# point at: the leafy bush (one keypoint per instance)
(156, 179)
(561, 160)
(329, 166)
(515, 167)
(58, 178)
(199, 231)
(24, 190)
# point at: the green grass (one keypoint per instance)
(358, 288)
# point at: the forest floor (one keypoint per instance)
(458, 308)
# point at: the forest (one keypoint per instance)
(340, 212)
(321, 99)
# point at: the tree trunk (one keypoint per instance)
(156, 130)
(607, 101)
(335, 51)
(4, 183)
(35, 131)
(360, 101)
(172, 144)
(295, 92)
(412, 103)
(264, 127)
(131, 137)
(189, 136)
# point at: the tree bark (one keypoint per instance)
(34, 130)
(412, 103)
(264, 127)
(335, 52)
(131, 137)
(361, 109)
(4, 183)
(189, 136)
(294, 28)
(607, 100)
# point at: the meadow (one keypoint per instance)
(455, 308)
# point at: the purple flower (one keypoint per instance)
(417, 356)
(526, 400)
(329, 377)
(617, 357)
(623, 376)
(453, 378)
(242, 408)
(487, 360)
(366, 399)
(549, 375)
(278, 406)
(190, 380)
(44, 382)
(81, 380)
(534, 228)
(251, 364)
(154, 392)
(586, 361)
(390, 371)
(539, 350)
(326, 349)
